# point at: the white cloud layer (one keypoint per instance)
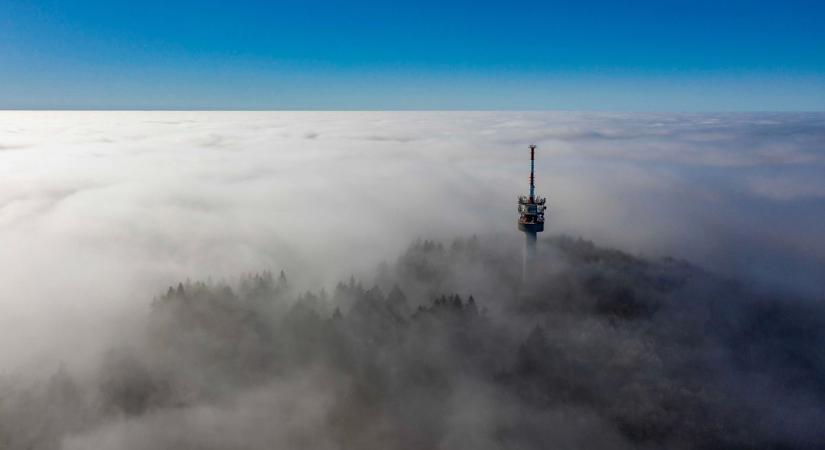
(99, 211)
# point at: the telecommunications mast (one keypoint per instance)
(531, 218)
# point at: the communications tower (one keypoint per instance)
(531, 218)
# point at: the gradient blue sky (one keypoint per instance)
(642, 55)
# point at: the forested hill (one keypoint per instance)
(445, 348)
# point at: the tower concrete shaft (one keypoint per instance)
(529, 262)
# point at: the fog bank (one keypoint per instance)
(102, 211)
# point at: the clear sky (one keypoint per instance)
(317, 54)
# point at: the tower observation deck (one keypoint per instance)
(531, 210)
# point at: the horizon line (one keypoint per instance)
(214, 109)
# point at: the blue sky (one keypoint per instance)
(643, 55)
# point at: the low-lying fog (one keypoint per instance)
(101, 211)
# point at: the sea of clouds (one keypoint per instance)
(100, 211)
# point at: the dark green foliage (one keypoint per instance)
(128, 387)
